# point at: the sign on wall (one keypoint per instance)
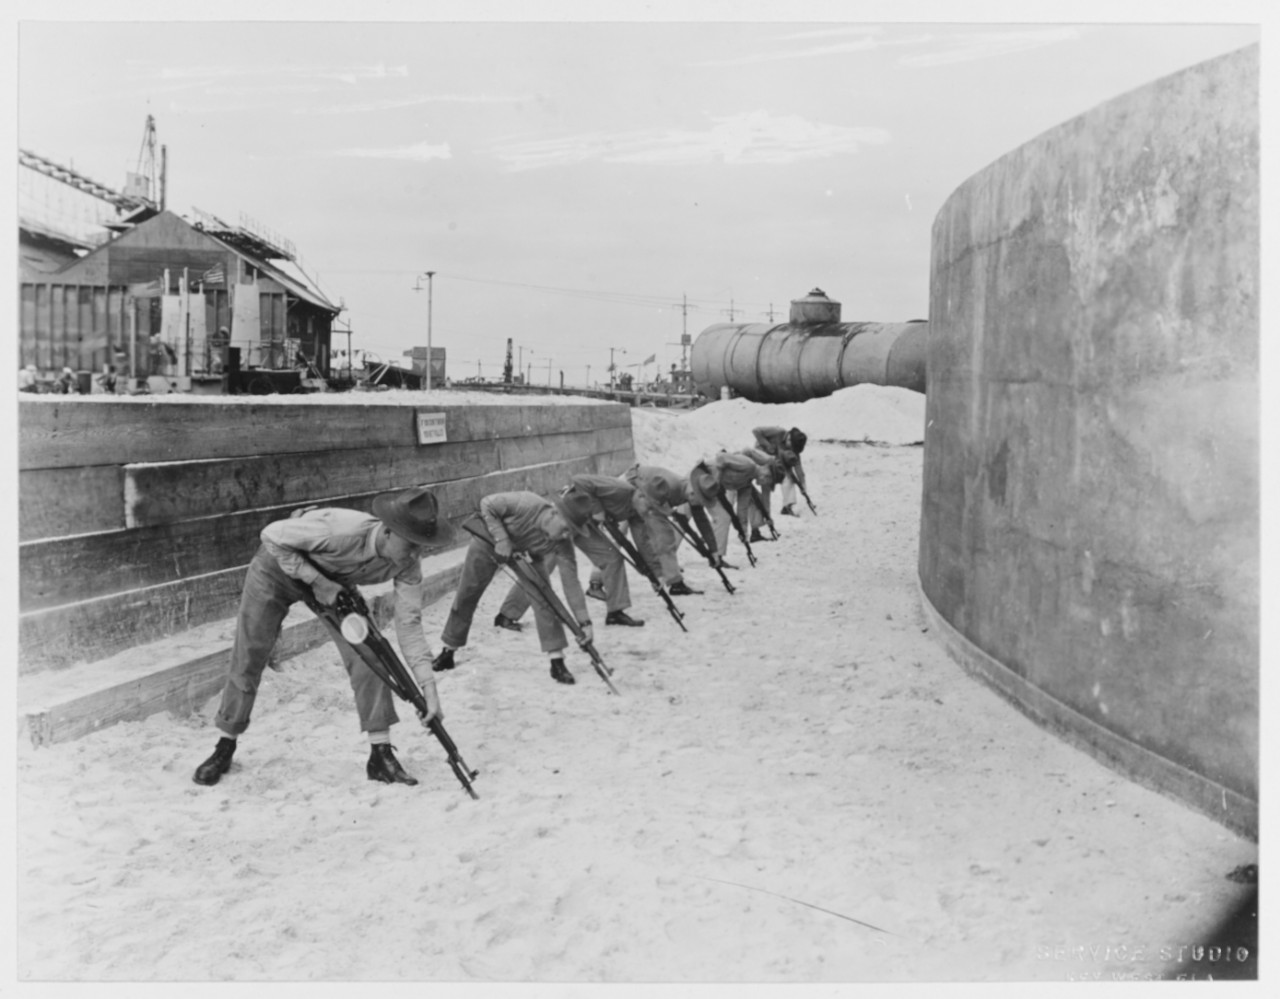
(431, 428)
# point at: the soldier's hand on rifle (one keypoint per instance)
(588, 635)
(326, 590)
(502, 551)
(433, 703)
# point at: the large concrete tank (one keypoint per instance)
(1090, 528)
(812, 355)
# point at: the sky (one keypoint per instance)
(592, 190)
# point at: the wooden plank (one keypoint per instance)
(44, 328)
(60, 571)
(27, 319)
(92, 630)
(184, 683)
(55, 502)
(89, 630)
(58, 324)
(115, 323)
(77, 431)
(166, 493)
(517, 452)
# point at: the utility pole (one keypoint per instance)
(418, 287)
(613, 368)
(684, 332)
(549, 371)
(729, 311)
(770, 312)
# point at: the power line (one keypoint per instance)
(641, 299)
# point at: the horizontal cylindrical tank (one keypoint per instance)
(792, 362)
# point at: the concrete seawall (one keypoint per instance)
(1090, 522)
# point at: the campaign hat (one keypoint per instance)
(414, 515)
(576, 508)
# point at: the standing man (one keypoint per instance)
(527, 523)
(787, 445)
(316, 553)
(664, 491)
(586, 498)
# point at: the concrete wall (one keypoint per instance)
(137, 519)
(1090, 525)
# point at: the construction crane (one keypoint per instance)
(142, 190)
(149, 181)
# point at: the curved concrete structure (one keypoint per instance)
(1090, 524)
(791, 362)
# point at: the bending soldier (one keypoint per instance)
(318, 552)
(665, 492)
(737, 475)
(586, 498)
(773, 471)
(518, 522)
(787, 445)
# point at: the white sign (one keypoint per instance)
(431, 428)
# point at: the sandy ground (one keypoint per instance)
(802, 789)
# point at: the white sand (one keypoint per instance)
(802, 789)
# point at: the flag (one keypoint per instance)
(650, 359)
(215, 275)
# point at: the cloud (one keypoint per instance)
(420, 152)
(976, 45)
(861, 38)
(393, 103)
(942, 50)
(344, 74)
(751, 138)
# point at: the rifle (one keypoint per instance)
(633, 558)
(681, 523)
(737, 526)
(803, 492)
(350, 615)
(755, 498)
(539, 592)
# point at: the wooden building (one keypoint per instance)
(156, 298)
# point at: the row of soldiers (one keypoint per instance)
(639, 518)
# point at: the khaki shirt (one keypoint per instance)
(737, 471)
(343, 545)
(772, 440)
(517, 518)
(666, 491)
(610, 496)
